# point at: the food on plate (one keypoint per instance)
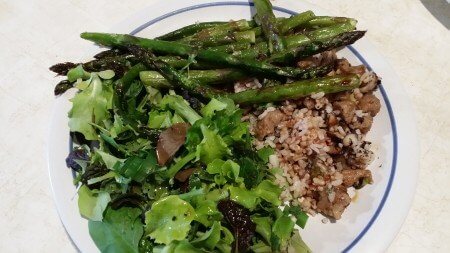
(219, 136)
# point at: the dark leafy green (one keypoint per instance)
(120, 231)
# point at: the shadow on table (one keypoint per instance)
(440, 10)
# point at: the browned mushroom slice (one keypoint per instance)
(345, 67)
(170, 140)
(370, 104)
(336, 206)
(355, 177)
(347, 109)
(184, 175)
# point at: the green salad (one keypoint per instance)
(163, 161)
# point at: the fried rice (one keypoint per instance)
(320, 141)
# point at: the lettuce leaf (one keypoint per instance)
(77, 73)
(269, 191)
(265, 153)
(282, 228)
(169, 219)
(263, 227)
(297, 245)
(205, 205)
(244, 197)
(178, 247)
(92, 204)
(266, 190)
(120, 231)
(224, 171)
(159, 119)
(110, 161)
(213, 106)
(181, 107)
(90, 106)
(261, 247)
(212, 146)
(226, 123)
(210, 238)
(301, 217)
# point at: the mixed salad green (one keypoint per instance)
(163, 161)
(216, 194)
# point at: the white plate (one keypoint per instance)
(368, 225)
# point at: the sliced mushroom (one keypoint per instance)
(354, 177)
(345, 67)
(370, 104)
(347, 109)
(170, 141)
(184, 175)
(363, 124)
(334, 208)
(369, 81)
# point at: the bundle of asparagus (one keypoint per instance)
(200, 57)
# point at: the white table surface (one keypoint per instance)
(36, 34)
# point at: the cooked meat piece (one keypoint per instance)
(170, 140)
(354, 177)
(363, 124)
(347, 109)
(336, 207)
(342, 160)
(370, 104)
(321, 59)
(267, 125)
(354, 162)
(328, 57)
(184, 175)
(369, 81)
(343, 66)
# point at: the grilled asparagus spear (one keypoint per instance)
(221, 59)
(296, 89)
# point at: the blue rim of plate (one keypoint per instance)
(355, 52)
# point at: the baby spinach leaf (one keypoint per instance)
(249, 171)
(119, 232)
